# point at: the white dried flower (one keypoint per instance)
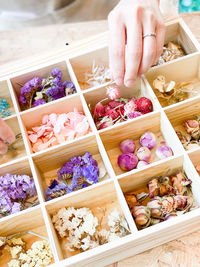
(98, 76)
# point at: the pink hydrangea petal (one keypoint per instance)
(53, 118)
(33, 138)
(45, 119)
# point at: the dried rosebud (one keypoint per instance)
(159, 187)
(180, 183)
(180, 202)
(131, 106)
(127, 145)
(155, 206)
(148, 139)
(153, 187)
(131, 199)
(142, 164)
(163, 152)
(143, 153)
(127, 161)
(167, 204)
(141, 215)
(113, 92)
(191, 126)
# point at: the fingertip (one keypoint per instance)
(119, 81)
(10, 139)
(129, 83)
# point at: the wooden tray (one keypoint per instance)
(103, 145)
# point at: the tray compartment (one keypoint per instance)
(195, 158)
(34, 118)
(185, 70)
(137, 182)
(82, 64)
(5, 94)
(18, 81)
(156, 123)
(17, 149)
(184, 111)
(47, 166)
(139, 89)
(107, 201)
(22, 223)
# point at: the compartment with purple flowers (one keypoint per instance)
(42, 86)
(24, 240)
(17, 188)
(138, 143)
(72, 170)
(17, 149)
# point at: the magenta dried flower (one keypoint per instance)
(113, 92)
(148, 139)
(127, 161)
(127, 145)
(144, 154)
(134, 114)
(141, 164)
(163, 152)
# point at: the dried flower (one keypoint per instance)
(144, 154)
(163, 152)
(127, 145)
(148, 139)
(142, 216)
(113, 92)
(141, 164)
(127, 161)
(131, 199)
(131, 106)
(180, 183)
(159, 187)
(15, 190)
(98, 76)
(191, 126)
(144, 105)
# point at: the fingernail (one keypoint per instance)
(129, 83)
(119, 81)
(10, 140)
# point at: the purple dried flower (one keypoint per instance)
(163, 152)
(16, 207)
(127, 145)
(56, 72)
(143, 153)
(39, 102)
(141, 164)
(67, 169)
(127, 161)
(53, 184)
(58, 190)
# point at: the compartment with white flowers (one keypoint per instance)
(17, 149)
(55, 124)
(91, 69)
(76, 167)
(138, 143)
(86, 220)
(176, 82)
(185, 119)
(24, 241)
(41, 86)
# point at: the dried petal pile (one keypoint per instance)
(15, 193)
(83, 230)
(172, 92)
(78, 172)
(98, 76)
(41, 91)
(119, 109)
(191, 139)
(167, 197)
(128, 160)
(58, 128)
(171, 50)
(38, 255)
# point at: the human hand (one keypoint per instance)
(128, 22)
(6, 137)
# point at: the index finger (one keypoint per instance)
(6, 134)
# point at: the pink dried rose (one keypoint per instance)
(127, 161)
(191, 126)
(163, 152)
(113, 92)
(134, 114)
(148, 139)
(98, 110)
(142, 164)
(143, 153)
(127, 145)
(144, 105)
(131, 106)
